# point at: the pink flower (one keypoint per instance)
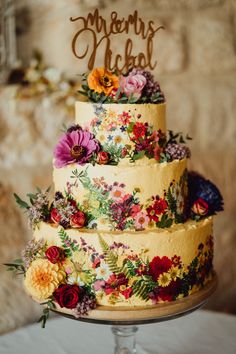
(94, 121)
(75, 146)
(98, 284)
(132, 85)
(117, 193)
(135, 209)
(112, 126)
(141, 220)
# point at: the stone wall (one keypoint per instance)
(197, 71)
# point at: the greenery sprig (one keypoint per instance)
(17, 267)
(46, 311)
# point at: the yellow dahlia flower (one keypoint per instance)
(43, 278)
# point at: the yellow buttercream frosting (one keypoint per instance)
(180, 240)
(153, 114)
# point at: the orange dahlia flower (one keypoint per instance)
(101, 80)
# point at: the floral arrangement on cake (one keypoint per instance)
(136, 86)
(124, 138)
(105, 204)
(204, 197)
(77, 277)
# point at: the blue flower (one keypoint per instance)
(98, 109)
(123, 128)
(110, 137)
(199, 187)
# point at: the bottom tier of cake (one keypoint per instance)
(77, 269)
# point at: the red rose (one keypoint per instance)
(68, 295)
(139, 130)
(200, 207)
(55, 216)
(55, 254)
(158, 266)
(78, 219)
(103, 158)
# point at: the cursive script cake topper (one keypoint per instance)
(101, 32)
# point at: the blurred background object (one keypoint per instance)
(7, 37)
(197, 72)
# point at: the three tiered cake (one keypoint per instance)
(128, 224)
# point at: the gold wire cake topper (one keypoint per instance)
(101, 31)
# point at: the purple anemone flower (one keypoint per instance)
(75, 146)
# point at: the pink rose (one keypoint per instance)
(132, 85)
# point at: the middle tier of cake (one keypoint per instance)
(137, 196)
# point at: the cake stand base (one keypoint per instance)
(124, 320)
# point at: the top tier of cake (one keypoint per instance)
(110, 122)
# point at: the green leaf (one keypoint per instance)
(143, 287)
(16, 267)
(130, 127)
(82, 93)
(128, 269)
(67, 243)
(137, 156)
(21, 202)
(133, 99)
(165, 222)
(85, 87)
(110, 257)
(171, 201)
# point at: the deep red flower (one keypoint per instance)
(176, 260)
(156, 209)
(114, 282)
(139, 130)
(200, 207)
(78, 219)
(158, 266)
(55, 254)
(124, 152)
(55, 216)
(157, 152)
(73, 203)
(68, 295)
(103, 158)
(168, 293)
(127, 293)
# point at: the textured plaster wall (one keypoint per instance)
(197, 71)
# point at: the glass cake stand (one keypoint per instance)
(124, 321)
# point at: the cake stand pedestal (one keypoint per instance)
(124, 321)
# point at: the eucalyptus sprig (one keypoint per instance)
(46, 311)
(32, 198)
(17, 267)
